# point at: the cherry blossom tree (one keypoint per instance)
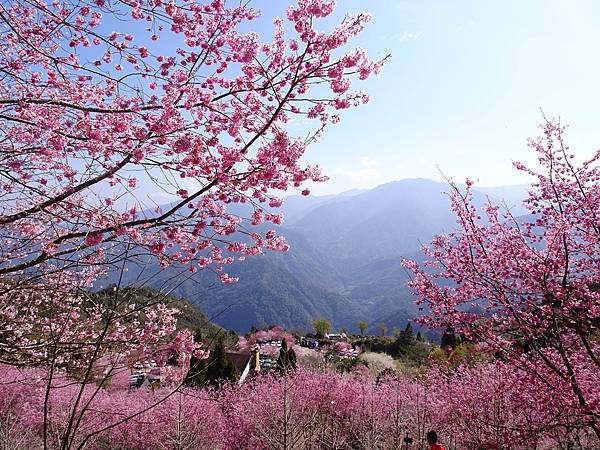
(93, 115)
(490, 405)
(153, 419)
(265, 337)
(98, 116)
(90, 113)
(527, 287)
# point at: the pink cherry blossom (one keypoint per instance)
(527, 287)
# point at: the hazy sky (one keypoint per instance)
(463, 89)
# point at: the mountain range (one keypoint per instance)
(344, 261)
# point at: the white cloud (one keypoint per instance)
(365, 171)
(403, 36)
(410, 35)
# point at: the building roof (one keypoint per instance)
(240, 360)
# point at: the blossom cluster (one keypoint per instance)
(95, 118)
(262, 337)
(488, 406)
(527, 287)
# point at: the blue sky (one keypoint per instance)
(463, 89)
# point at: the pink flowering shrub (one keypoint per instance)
(486, 406)
(528, 287)
(93, 121)
(262, 337)
(94, 117)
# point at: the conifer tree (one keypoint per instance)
(449, 339)
(408, 334)
(196, 375)
(287, 358)
(220, 367)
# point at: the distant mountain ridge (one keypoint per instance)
(344, 261)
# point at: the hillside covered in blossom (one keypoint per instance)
(153, 295)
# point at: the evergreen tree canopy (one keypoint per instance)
(287, 358)
(220, 368)
(449, 339)
(196, 375)
(408, 331)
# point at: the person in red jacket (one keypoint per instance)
(432, 439)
